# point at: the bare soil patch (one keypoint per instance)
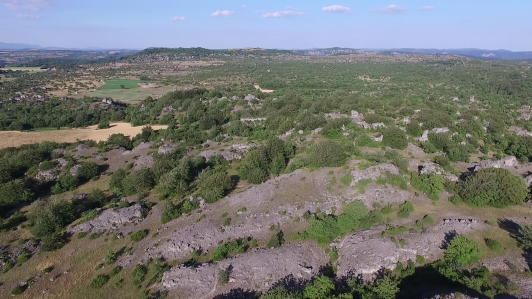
(262, 90)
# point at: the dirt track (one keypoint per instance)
(16, 138)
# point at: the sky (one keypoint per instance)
(296, 24)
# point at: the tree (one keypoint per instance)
(494, 187)
(321, 288)
(87, 171)
(51, 217)
(394, 138)
(122, 86)
(525, 237)
(462, 251)
(327, 154)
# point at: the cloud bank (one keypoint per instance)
(337, 9)
(390, 9)
(222, 13)
(34, 5)
(176, 18)
(282, 14)
(425, 8)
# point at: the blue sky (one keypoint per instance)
(297, 24)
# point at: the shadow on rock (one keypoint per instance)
(237, 294)
(449, 236)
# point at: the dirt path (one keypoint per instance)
(263, 90)
(16, 138)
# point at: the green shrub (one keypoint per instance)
(387, 210)
(524, 237)
(87, 171)
(139, 235)
(405, 209)
(394, 138)
(48, 218)
(276, 240)
(420, 259)
(115, 271)
(17, 290)
(227, 222)
(99, 281)
(104, 124)
(52, 242)
(462, 250)
(327, 154)
(110, 258)
(88, 216)
(394, 230)
(93, 236)
(223, 277)
(494, 187)
(493, 244)
(139, 274)
(346, 180)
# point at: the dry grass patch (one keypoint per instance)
(16, 138)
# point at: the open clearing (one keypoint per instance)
(263, 90)
(130, 96)
(16, 138)
(24, 69)
(116, 84)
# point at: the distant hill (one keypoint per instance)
(472, 53)
(9, 46)
(179, 54)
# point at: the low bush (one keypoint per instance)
(493, 244)
(405, 209)
(99, 281)
(139, 235)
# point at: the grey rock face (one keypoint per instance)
(373, 172)
(260, 269)
(506, 162)
(111, 219)
(430, 167)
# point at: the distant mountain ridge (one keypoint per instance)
(467, 52)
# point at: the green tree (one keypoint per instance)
(327, 154)
(462, 251)
(394, 138)
(494, 187)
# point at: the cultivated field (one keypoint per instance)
(16, 138)
(130, 96)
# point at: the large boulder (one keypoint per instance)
(429, 168)
(111, 219)
(506, 163)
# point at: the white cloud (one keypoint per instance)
(337, 9)
(176, 18)
(425, 8)
(243, 6)
(390, 9)
(282, 14)
(26, 16)
(222, 13)
(26, 4)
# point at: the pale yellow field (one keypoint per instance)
(16, 138)
(263, 90)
